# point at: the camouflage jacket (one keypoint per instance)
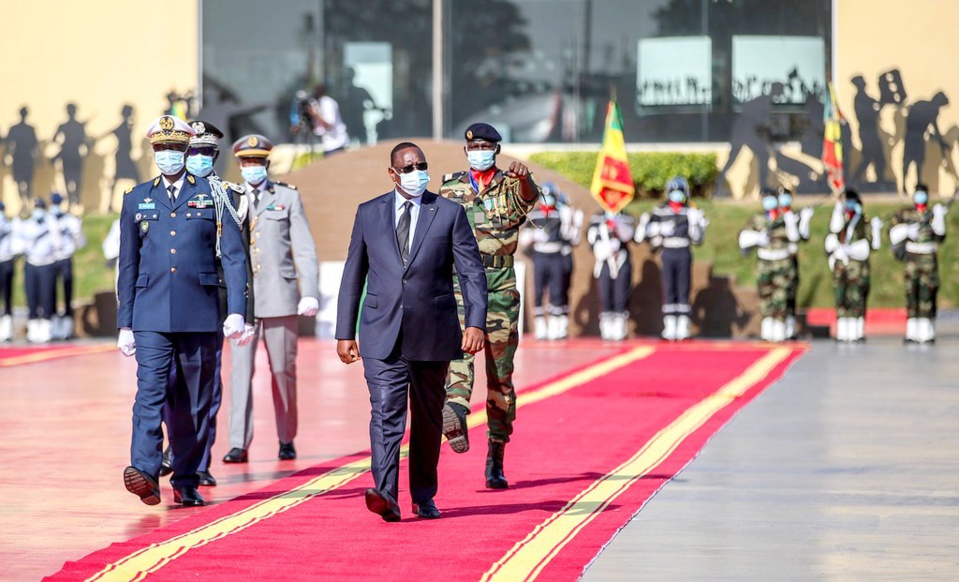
(859, 231)
(776, 229)
(910, 215)
(496, 214)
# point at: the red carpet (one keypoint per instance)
(16, 355)
(591, 447)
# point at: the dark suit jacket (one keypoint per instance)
(168, 278)
(413, 305)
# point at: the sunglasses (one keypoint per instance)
(407, 169)
(204, 151)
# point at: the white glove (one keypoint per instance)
(912, 232)
(939, 219)
(233, 326)
(696, 216)
(938, 210)
(539, 236)
(247, 336)
(842, 254)
(308, 306)
(876, 224)
(127, 343)
(762, 239)
(667, 228)
(806, 213)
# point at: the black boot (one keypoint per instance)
(495, 479)
(166, 465)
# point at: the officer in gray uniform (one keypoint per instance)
(38, 238)
(285, 285)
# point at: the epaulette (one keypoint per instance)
(238, 188)
(128, 190)
(190, 179)
(290, 186)
(156, 181)
(454, 176)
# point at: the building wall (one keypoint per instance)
(99, 55)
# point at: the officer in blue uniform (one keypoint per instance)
(169, 310)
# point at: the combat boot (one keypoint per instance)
(495, 479)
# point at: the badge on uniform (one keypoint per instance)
(200, 201)
(144, 226)
(146, 206)
(276, 207)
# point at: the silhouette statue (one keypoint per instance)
(867, 112)
(354, 104)
(750, 130)
(922, 116)
(125, 168)
(72, 137)
(22, 154)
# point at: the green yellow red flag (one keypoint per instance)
(832, 143)
(612, 184)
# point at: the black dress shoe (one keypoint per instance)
(426, 510)
(236, 455)
(206, 479)
(287, 452)
(166, 465)
(455, 428)
(142, 485)
(188, 496)
(383, 505)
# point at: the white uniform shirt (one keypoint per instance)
(39, 239)
(7, 227)
(71, 235)
(335, 136)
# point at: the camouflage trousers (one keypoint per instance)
(775, 279)
(502, 339)
(922, 285)
(851, 286)
(793, 291)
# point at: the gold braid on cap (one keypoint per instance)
(167, 134)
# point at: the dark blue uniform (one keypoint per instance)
(168, 291)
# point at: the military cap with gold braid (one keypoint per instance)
(207, 134)
(252, 146)
(170, 129)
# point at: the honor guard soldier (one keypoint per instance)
(285, 283)
(496, 204)
(169, 310)
(850, 240)
(770, 234)
(200, 159)
(38, 238)
(805, 216)
(915, 233)
(673, 227)
(7, 258)
(609, 235)
(550, 234)
(71, 239)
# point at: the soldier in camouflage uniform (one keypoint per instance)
(770, 233)
(848, 245)
(918, 232)
(496, 204)
(805, 215)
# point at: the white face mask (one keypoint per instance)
(414, 183)
(481, 160)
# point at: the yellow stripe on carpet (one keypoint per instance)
(138, 565)
(527, 558)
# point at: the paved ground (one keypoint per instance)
(847, 469)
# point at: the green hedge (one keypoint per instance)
(650, 170)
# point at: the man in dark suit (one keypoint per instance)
(169, 310)
(405, 245)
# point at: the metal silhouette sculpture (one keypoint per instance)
(750, 130)
(72, 137)
(22, 153)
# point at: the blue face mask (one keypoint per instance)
(785, 200)
(677, 196)
(200, 165)
(253, 174)
(170, 162)
(481, 160)
(770, 203)
(415, 182)
(853, 206)
(920, 197)
(37, 214)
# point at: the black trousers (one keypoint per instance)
(391, 382)
(6, 286)
(614, 293)
(64, 276)
(550, 275)
(40, 285)
(677, 264)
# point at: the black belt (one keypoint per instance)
(497, 261)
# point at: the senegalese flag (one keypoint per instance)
(612, 184)
(832, 143)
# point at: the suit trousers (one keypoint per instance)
(6, 287)
(63, 270)
(40, 286)
(279, 335)
(174, 370)
(391, 382)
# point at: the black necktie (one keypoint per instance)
(256, 198)
(403, 231)
(172, 190)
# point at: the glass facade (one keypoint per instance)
(540, 70)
